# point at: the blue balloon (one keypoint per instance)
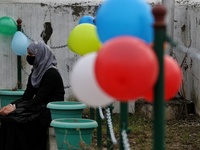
(125, 18)
(20, 43)
(86, 19)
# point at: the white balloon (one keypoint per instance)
(84, 84)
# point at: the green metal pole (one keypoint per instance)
(99, 129)
(92, 113)
(123, 121)
(19, 72)
(19, 63)
(159, 12)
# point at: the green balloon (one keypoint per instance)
(7, 26)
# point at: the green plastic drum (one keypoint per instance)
(73, 133)
(66, 109)
(8, 96)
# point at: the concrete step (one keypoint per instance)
(52, 139)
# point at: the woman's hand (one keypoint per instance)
(7, 109)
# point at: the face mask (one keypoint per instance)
(30, 59)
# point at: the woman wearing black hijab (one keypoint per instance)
(24, 123)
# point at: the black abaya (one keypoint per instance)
(32, 134)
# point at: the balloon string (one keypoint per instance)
(101, 113)
(109, 120)
(125, 140)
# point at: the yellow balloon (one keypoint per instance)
(83, 39)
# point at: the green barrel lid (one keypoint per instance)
(11, 92)
(70, 105)
(74, 123)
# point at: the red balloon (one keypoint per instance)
(126, 67)
(172, 79)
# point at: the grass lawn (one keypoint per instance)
(182, 134)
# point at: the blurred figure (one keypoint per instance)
(47, 32)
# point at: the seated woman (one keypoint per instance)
(24, 123)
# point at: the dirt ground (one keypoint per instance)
(180, 134)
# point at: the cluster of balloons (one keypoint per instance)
(118, 62)
(19, 42)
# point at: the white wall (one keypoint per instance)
(183, 25)
(187, 33)
(63, 18)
